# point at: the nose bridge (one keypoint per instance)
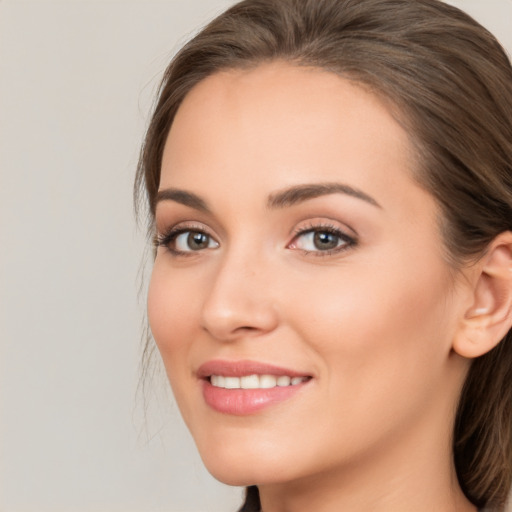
(239, 299)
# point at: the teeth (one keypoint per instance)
(231, 382)
(218, 381)
(268, 381)
(250, 382)
(255, 381)
(283, 380)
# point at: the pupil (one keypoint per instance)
(325, 241)
(197, 241)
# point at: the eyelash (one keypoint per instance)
(349, 241)
(167, 238)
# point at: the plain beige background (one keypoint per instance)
(77, 78)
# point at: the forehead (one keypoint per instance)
(249, 126)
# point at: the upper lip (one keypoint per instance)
(243, 368)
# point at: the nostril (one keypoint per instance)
(232, 310)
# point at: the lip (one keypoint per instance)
(243, 368)
(241, 402)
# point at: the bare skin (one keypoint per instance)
(347, 285)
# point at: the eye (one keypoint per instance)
(326, 240)
(182, 240)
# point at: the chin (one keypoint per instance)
(247, 476)
(233, 478)
(238, 474)
(238, 467)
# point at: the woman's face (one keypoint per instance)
(302, 266)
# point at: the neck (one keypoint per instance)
(412, 472)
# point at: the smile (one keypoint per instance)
(248, 387)
(255, 381)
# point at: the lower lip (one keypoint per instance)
(241, 402)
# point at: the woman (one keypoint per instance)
(329, 185)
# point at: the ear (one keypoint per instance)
(489, 317)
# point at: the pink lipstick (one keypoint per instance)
(246, 387)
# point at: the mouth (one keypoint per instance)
(255, 381)
(246, 387)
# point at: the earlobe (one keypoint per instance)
(489, 318)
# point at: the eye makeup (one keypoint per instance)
(321, 240)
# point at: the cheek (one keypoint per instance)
(380, 331)
(173, 320)
(348, 307)
(170, 312)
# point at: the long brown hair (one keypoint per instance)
(449, 83)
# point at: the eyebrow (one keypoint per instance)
(183, 197)
(300, 193)
(285, 198)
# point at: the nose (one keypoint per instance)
(239, 302)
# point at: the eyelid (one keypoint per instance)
(164, 237)
(170, 215)
(350, 241)
(317, 223)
